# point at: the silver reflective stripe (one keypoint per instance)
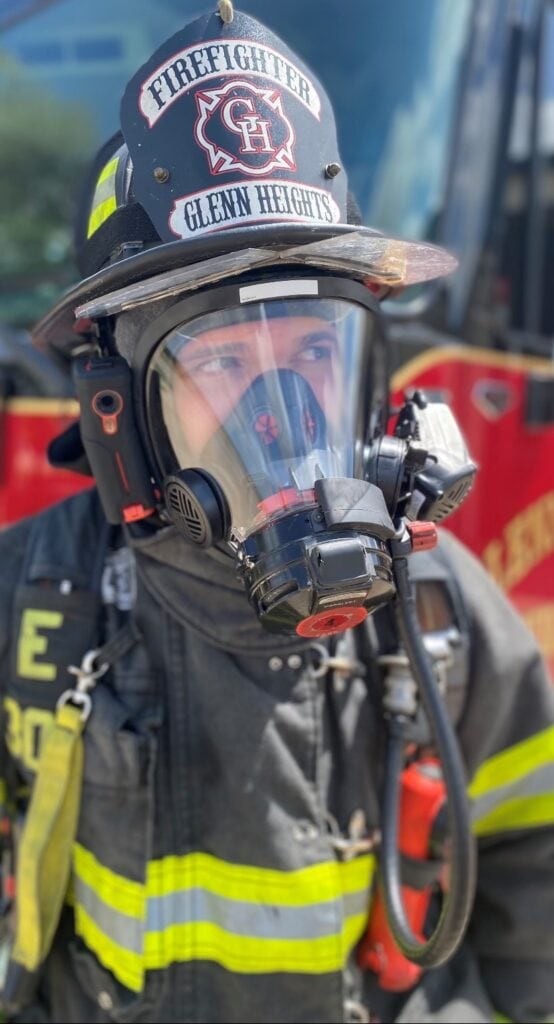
(355, 903)
(253, 919)
(104, 190)
(235, 916)
(538, 782)
(123, 929)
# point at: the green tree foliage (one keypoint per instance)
(44, 146)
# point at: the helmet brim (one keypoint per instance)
(356, 251)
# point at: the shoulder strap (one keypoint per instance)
(46, 842)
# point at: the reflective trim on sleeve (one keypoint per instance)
(246, 955)
(254, 884)
(247, 919)
(256, 920)
(121, 927)
(119, 893)
(126, 965)
(515, 788)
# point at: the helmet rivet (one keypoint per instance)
(161, 174)
(331, 170)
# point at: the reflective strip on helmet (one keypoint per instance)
(515, 788)
(104, 200)
(248, 920)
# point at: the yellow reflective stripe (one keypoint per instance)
(104, 201)
(352, 931)
(356, 874)
(243, 955)
(114, 890)
(317, 886)
(108, 171)
(520, 812)
(515, 788)
(100, 214)
(514, 763)
(299, 888)
(126, 966)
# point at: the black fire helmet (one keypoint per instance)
(227, 161)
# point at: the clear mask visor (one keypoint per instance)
(266, 398)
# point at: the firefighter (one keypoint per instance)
(200, 661)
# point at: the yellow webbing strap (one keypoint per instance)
(44, 857)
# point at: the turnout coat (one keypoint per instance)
(224, 862)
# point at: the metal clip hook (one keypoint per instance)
(358, 841)
(342, 664)
(87, 677)
(78, 698)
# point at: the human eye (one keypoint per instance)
(213, 365)
(315, 348)
(313, 353)
(217, 364)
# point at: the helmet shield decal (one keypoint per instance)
(226, 127)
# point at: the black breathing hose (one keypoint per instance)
(458, 900)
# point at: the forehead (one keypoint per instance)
(272, 329)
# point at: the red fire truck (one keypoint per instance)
(446, 115)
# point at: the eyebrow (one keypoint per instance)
(233, 348)
(324, 335)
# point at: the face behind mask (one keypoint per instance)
(266, 397)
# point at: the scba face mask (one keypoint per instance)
(258, 413)
(254, 418)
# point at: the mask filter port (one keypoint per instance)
(196, 505)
